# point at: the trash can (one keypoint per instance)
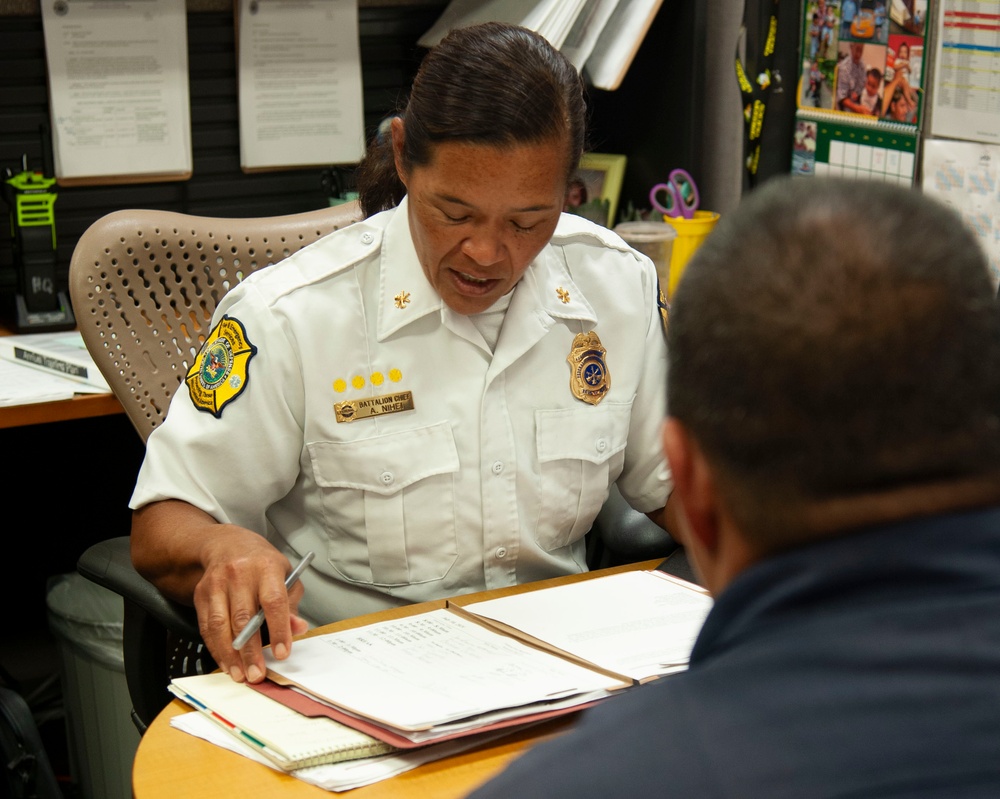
(87, 621)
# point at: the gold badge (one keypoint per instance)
(589, 377)
(352, 410)
(221, 370)
(562, 294)
(402, 299)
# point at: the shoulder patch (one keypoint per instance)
(222, 369)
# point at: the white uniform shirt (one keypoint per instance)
(495, 474)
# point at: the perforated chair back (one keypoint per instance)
(144, 285)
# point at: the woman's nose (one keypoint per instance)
(484, 245)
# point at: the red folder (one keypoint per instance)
(308, 706)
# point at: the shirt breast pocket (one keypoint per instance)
(581, 452)
(389, 503)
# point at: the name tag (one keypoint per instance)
(352, 410)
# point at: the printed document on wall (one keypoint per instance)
(299, 84)
(966, 95)
(966, 176)
(118, 82)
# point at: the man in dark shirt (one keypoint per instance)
(834, 436)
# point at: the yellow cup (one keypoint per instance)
(690, 234)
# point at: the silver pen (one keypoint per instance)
(254, 624)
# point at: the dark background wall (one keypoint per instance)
(74, 478)
(217, 187)
(654, 117)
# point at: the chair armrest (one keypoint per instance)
(109, 563)
(679, 564)
(629, 535)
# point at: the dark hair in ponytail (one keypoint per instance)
(493, 84)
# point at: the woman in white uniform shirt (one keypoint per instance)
(435, 400)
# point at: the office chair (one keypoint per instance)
(144, 286)
(621, 534)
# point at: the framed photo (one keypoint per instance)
(594, 190)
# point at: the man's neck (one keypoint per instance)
(831, 518)
(883, 507)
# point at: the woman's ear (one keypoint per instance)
(398, 138)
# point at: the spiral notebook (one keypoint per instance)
(287, 738)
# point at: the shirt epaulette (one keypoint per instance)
(333, 254)
(572, 227)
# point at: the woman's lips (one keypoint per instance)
(472, 285)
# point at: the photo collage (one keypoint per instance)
(864, 58)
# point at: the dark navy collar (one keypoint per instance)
(952, 552)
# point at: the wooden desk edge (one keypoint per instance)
(82, 406)
(170, 763)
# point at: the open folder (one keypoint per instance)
(468, 668)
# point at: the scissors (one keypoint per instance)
(681, 194)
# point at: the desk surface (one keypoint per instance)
(82, 406)
(170, 763)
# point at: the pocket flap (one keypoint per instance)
(591, 434)
(385, 464)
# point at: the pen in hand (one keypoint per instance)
(254, 624)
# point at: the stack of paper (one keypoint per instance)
(344, 775)
(288, 739)
(373, 701)
(49, 366)
(600, 37)
(461, 670)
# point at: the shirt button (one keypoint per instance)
(367, 238)
(501, 553)
(386, 478)
(497, 467)
(601, 445)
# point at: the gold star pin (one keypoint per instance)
(402, 299)
(562, 294)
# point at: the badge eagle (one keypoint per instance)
(589, 378)
(221, 370)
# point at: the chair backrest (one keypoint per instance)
(144, 285)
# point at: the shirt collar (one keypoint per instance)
(406, 295)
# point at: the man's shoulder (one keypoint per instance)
(627, 746)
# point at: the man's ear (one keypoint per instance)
(398, 131)
(694, 485)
